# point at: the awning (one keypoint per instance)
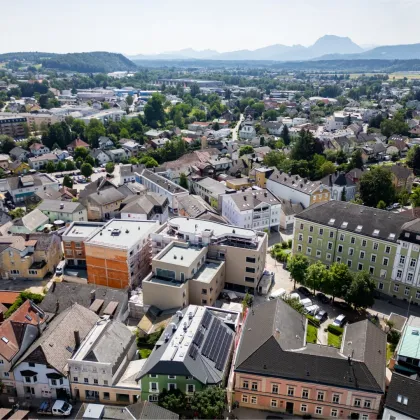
(28, 373)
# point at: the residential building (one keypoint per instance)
(18, 332)
(132, 147)
(29, 256)
(256, 209)
(203, 358)
(402, 177)
(402, 400)
(238, 183)
(160, 185)
(19, 168)
(288, 211)
(61, 154)
(100, 156)
(210, 190)
(275, 368)
(261, 176)
(273, 127)
(42, 372)
(38, 149)
(364, 238)
(118, 155)
(297, 189)
(77, 143)
(106, 116)
(40, 161)
(105, 143)
(196, 207)
(17, 153)
(407, 353)
(32, 222)
(247, 131)
(118, 255)
(103, 368)
(67, 211)
(149, 206)
(342, 187)
(13, 125)
(159, 142)
(103, 204)
(73, 242)
(4, 162)
(242, 250)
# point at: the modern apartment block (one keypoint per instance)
(13, 126)
(242, 250)
(366, 239)
(119, 254)
(254, 209)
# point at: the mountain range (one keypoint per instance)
(328, 47)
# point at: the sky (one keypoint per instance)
(152, 26)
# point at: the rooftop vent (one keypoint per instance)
(415, 332)
(359, 228)
(115, 232)
(61, 205)
(392, 236)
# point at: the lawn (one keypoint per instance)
(334, 340)
(311, 334)
(144, 353)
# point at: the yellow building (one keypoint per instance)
(238, 183)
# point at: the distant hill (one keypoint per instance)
(89, 62)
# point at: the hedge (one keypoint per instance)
(313, 321)
(335, 330)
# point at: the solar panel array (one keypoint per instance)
(198, 338)
(205, 322)
(193, 352)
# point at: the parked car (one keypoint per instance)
(304, 291)
(322, 298)
(276, 294)
(306, 302)
(294, 296)
(312, 310)
(343, 305)
(340, 321)
(321, 316)
(60, 268)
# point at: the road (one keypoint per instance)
(236, 129)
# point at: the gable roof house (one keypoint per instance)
(341, 186)
(105, 143)
(38, 149)
(42, 371)
(38, 162)
(77, 143)
(274, 356)
(117, 155)
(30, 223)
(67, 211)
(150, 206)
(100, 156)
(17, 153)
(402, 177)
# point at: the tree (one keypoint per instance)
(81, 152)
(274, 158)
(149, 162)
(356, 160)
(376, 185)
(361, 292)
(395, 126)
(109, 167)
(50, 167)
(327, 168)
(70, 166)
(209, 403)
(245, 150)
(154, 112)
(124, 133)
(106, 105)
(183, 181)
(343, 194)
(338, 281)
(68, 181)
(17, 213)
(285, 135)
(173, 400)
(297, 265)
(305, 147)
(316, 275)
(6, 144)
(413, 159)
(93, 131)
(129, 99)
(86, 170)
(415, 197)
(194, 90)
(78, 127)
(61, 166)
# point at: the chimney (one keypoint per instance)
(92, 296)
(76, 339)
(61, 205)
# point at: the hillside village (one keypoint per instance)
(198, 244)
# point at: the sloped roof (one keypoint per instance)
(406, 388)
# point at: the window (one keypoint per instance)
(274, 389)
(250, 259)
(399, 274)
(381, 286)
(6, 374)
(308, 251)
(311, 228)
(331, 234)
(362, 255)
(253, 400)
(401, 399)
(402, 259)
(305, 393)
(14, 271)
(341, 237)
(204, 291)
(153, 387)
(364, 242)
(320, 396)
(351, 251)
(360, 267)
(407, 291)
(357, 402)
(375, 246)
(190, 388)
(171, 377)
(385, 261)
(290, 391)
(250, 270)
(365, 416)
(75, 379)
(371, 270)
(273, 403)
(373, 258)
(153, 375)
(349, 263)
(334, 412)
(106, 395)
(412, 262)
(53, 382)
(86, 380)
(338, 259)
(171, 387)
(321, 231)
(340, 248)
(105, 381)
(387, 249)
(301, 225)
(245, 384)
(417, 294)
(249, 279)
(299, 248)
(396, 287)
(254, 386)
(153, 398)
(336, 398)
(95, 381)
(328, 256)
(410, 277)
(244, 398)
(318, 410)
(368, 404)
(352, 240)
(204, 301)
(330, 244)
(303, 408)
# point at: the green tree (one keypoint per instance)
(17, 213)
(194, 90)
(403, 197)
(327, 168)
(68, 181)
(78, 127)
(381, 205)
(129, 99)
(124, 133)
(209, 403)
(413, 159)
(61, 166)
(173, 400)
(356, 160)
(395, 126)
(6, 144)
(81, 152)
(297, 265)
(285, 135)
(90, 159)
(183, 181)
(361, 292)
(343, 194)
(149, 162)
(109, 167)
(245, 150)
(106, 105)
(50, 167)
(376, 185)
(316, 275)
(86, 170)
(154, 112)
(338, 281)
(274, 158)
(70, 166)
(415, 197)
(305, 147)
(93, 131)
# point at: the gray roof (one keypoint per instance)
(162, 182)
(338, 179)
(400, 171)
(38, 180)
(49, 194)
(61, 206)
(148, 410)
(33, 220)
(250, 199)
(145, 204)
(290, 209)
(194, 205)
(4, 217)
(56, 344)
(274, 344)
(43, 240)
(106, 196)
(67, 294)
(17, 151)
(406, 388)
(212, 185)
(362, 220)
(296, 182)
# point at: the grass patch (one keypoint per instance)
(144, 353)
(334, 340)
(311, 334)
(390, 348)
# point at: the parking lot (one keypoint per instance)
(100, 172)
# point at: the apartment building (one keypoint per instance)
(74, 242)
(210, 191)
(38, 162)
(105, 116)
(103, 368)
(119, 254)
(12, 126)
(275, 368)
(158, 184)
(364, 238)
(256, 209)
(297, 189)
(192, 353)
(242, 250)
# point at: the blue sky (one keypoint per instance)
(140, 26)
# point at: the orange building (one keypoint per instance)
(119, 254)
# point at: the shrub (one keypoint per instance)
(289, 243)
(313, 321)
(284, 245)
(335, 330)
(393, 337)
(36, 298)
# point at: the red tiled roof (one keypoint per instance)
(8, 298)
(78, 143)
(36, 146)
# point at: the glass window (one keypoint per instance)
(303, 408)
(320, 396)
(336, 398)
(245, 384)
(274, 389)
(368, 404)
(244, 398)
(318, 410)
(273, 403)
(334, 412)
(290, 391)
(254, 386)
(305, 393)
(357, 402)
(253, 400)
(396, 287)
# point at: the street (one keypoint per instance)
(236, 129)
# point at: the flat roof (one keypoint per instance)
(181, 256)
(82, 229)
(207, 272)
(122, 233)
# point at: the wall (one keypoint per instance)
(286, 193)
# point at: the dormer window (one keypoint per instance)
(344, 225)
(376, 232)
(331, 222)
(359, 228)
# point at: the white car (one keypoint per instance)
(340, 321)
(294, 296)
(276, 294)
(306, 302)
(312, 310)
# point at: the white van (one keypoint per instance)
(60, 268)
(277, 294)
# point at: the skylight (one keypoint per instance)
(5, 339)
(392, 236)
(359, 228)
(376, 232)
(331, 222)
(344, 225)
